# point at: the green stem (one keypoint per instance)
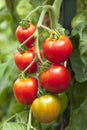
(56, 13)
(29, 121)
(33, 11)
(37, 8)
(40, 21)
(37, 48)
(46, 28)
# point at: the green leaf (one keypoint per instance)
(83, 44)
(76, 62)
(78, 120)
(2, 68)
(14, 126)
(22, 116)
(14, 107)
(77, 94)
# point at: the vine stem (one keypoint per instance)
(37, 48)
(37, 8)
(29, 120)
(56, 13)
(46, 28)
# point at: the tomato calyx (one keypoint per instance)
(24, 23)
(22, 76)
(45, 66)
(54, 36)
(22, 49)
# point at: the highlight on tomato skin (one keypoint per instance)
(23, 33)
(56, 79)
(46, 108)
(57, 51)
(25, 90)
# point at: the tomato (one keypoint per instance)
(57, 51)
(56, 79)
(25, 90)
(22, 60)
(63, 101)
(23, 33)
(46, 108)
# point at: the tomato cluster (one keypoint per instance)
(55, 79)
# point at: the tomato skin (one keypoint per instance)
(56, 79)
(57, 51)
(25, 90)
(22, 60)
(46, 108)
(23, 33)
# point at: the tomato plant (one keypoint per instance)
(41, 92)
(22, 33)
(57, 51)
(25, 90)
(23, 59)
(56, 79)
(46, 108)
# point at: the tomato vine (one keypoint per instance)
(24, 88)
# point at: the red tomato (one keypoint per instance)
(56, 79)
(25, 90)
(23, 33)
(22, 60)
(57, 51)
(46, 108)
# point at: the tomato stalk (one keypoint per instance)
(37, 8)
(37, 48)
(56, 13)
(29, 121)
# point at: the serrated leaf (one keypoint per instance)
(14, 126)
(78, 120)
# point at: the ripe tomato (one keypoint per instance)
(22, 60)
(56, 79)
(57, 51)
(25, 90)
(46, 108)
(23, 33)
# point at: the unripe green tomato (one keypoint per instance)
(63, 101)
